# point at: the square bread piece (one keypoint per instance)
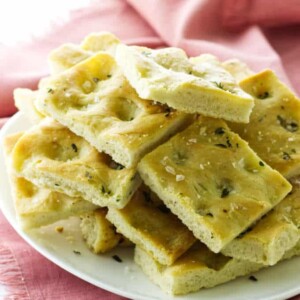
(99, 234)
(94, 100)
(272, 236)
(53, 157)
(210, 178)
(68, 55)
(196, 269)
(36, 207)
(149, 224)
(274, 128)
(196, 85)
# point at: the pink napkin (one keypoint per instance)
(264, 34)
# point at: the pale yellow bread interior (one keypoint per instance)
(212, 180)
(198, 268)
(99, 234)
(36, 207)
(149, 224)
(53, 157)
(94, 100)
(195, 85)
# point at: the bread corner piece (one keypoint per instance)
(195, 85)
(198, 268)
(210, 178)
(36, 207)
(149, 224)
(99, 234)
(274, 128)
(94, 100)
(53, 157)
(268, 240)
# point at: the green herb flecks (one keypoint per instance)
(221, 145)
(220, 131)
(263, 95)
(252, 278)
(74, 147)
(290, 126)
(286, 156)
(117, 258)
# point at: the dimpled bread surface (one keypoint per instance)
(273, 132)
(95, 101)
(36, 207)
(196, 85)
(210, 178)
(53, 157)
(150, 225)
(68, 55)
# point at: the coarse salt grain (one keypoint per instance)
(87, 85)
(170, 170)
(179, 177)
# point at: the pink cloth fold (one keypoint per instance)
(264, 34)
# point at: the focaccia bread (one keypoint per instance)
(99, 234)
(274, 128)
(94, 100)
(24, 101)
(36, 207)
(198, 268)
(196, 85)
(238, 69)
(53, 157)
(149, 224)
(272, 236)
(68, 55)
(210, 178)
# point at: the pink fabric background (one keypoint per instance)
(264, 34)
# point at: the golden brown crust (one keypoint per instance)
(211, 179)
(53, 157)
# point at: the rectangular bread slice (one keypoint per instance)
(272, 236)
(53, 157)
(274, 128)
(99, 234)
(198, 268)
(210, 178)
(36, 207)
(149, 224)
(94, 100)
(196, 85)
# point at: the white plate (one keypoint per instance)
(126, 279)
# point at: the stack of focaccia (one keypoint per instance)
(193, 161)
